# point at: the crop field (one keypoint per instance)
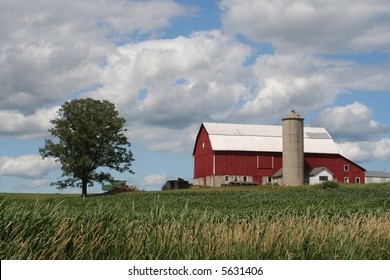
(351, 222)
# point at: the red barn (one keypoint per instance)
(226, 154)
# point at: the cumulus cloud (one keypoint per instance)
(302, 74)
(366, 151)
(15, 124)
(350, 123)
(172, 140)
(364, 77)
(181, 79)
(27, 166)
(52, 50)
(165, 87)
(154, 180)
(286, 82)
(315, 26)
(359, 137)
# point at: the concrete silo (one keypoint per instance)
(293, 153)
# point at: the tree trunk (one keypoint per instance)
(84, 188)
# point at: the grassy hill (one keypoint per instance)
(308, 222)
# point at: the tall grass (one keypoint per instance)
(172, 226)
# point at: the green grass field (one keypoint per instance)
(351, 222)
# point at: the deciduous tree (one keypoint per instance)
(88, 137)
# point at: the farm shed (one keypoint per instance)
(180, 183)
(377, 177)
(318, 175)
(253, 153)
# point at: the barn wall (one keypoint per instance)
(336, 163)
(253, 164)
(203, 158)
(260, 165)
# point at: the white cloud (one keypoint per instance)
(27, 166)
(51, 50)
(154, 180)
(315, 26)
(364, 77)
(366, 151)
(183, 77)
(300, 74)
(15, 124)
(156, 138)
(286, 82)
(164, 87)
(34, 184)
(350, 123)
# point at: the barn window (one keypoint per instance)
(346, 167)
(245, 179)
(357, 180)
(346, 180)
(226, 178)
(203, 144)
(324, 178)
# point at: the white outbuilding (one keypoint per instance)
(319, 175)
(377, 177)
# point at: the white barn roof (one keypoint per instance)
(265, 138)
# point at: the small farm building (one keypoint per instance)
(377, 177)
(180, 183)
(226, 154)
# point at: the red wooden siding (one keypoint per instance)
(335, 164)
(247, 164)
(203, 155)
(259, 164)
(265, 162)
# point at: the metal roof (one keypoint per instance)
(378, 174)
(265, 138)
(318, 170)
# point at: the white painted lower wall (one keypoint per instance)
(218, 181)
(370, 180)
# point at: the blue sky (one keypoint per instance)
(170, 65)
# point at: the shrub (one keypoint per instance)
(330, 185)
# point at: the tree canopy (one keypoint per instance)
(88, 135)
